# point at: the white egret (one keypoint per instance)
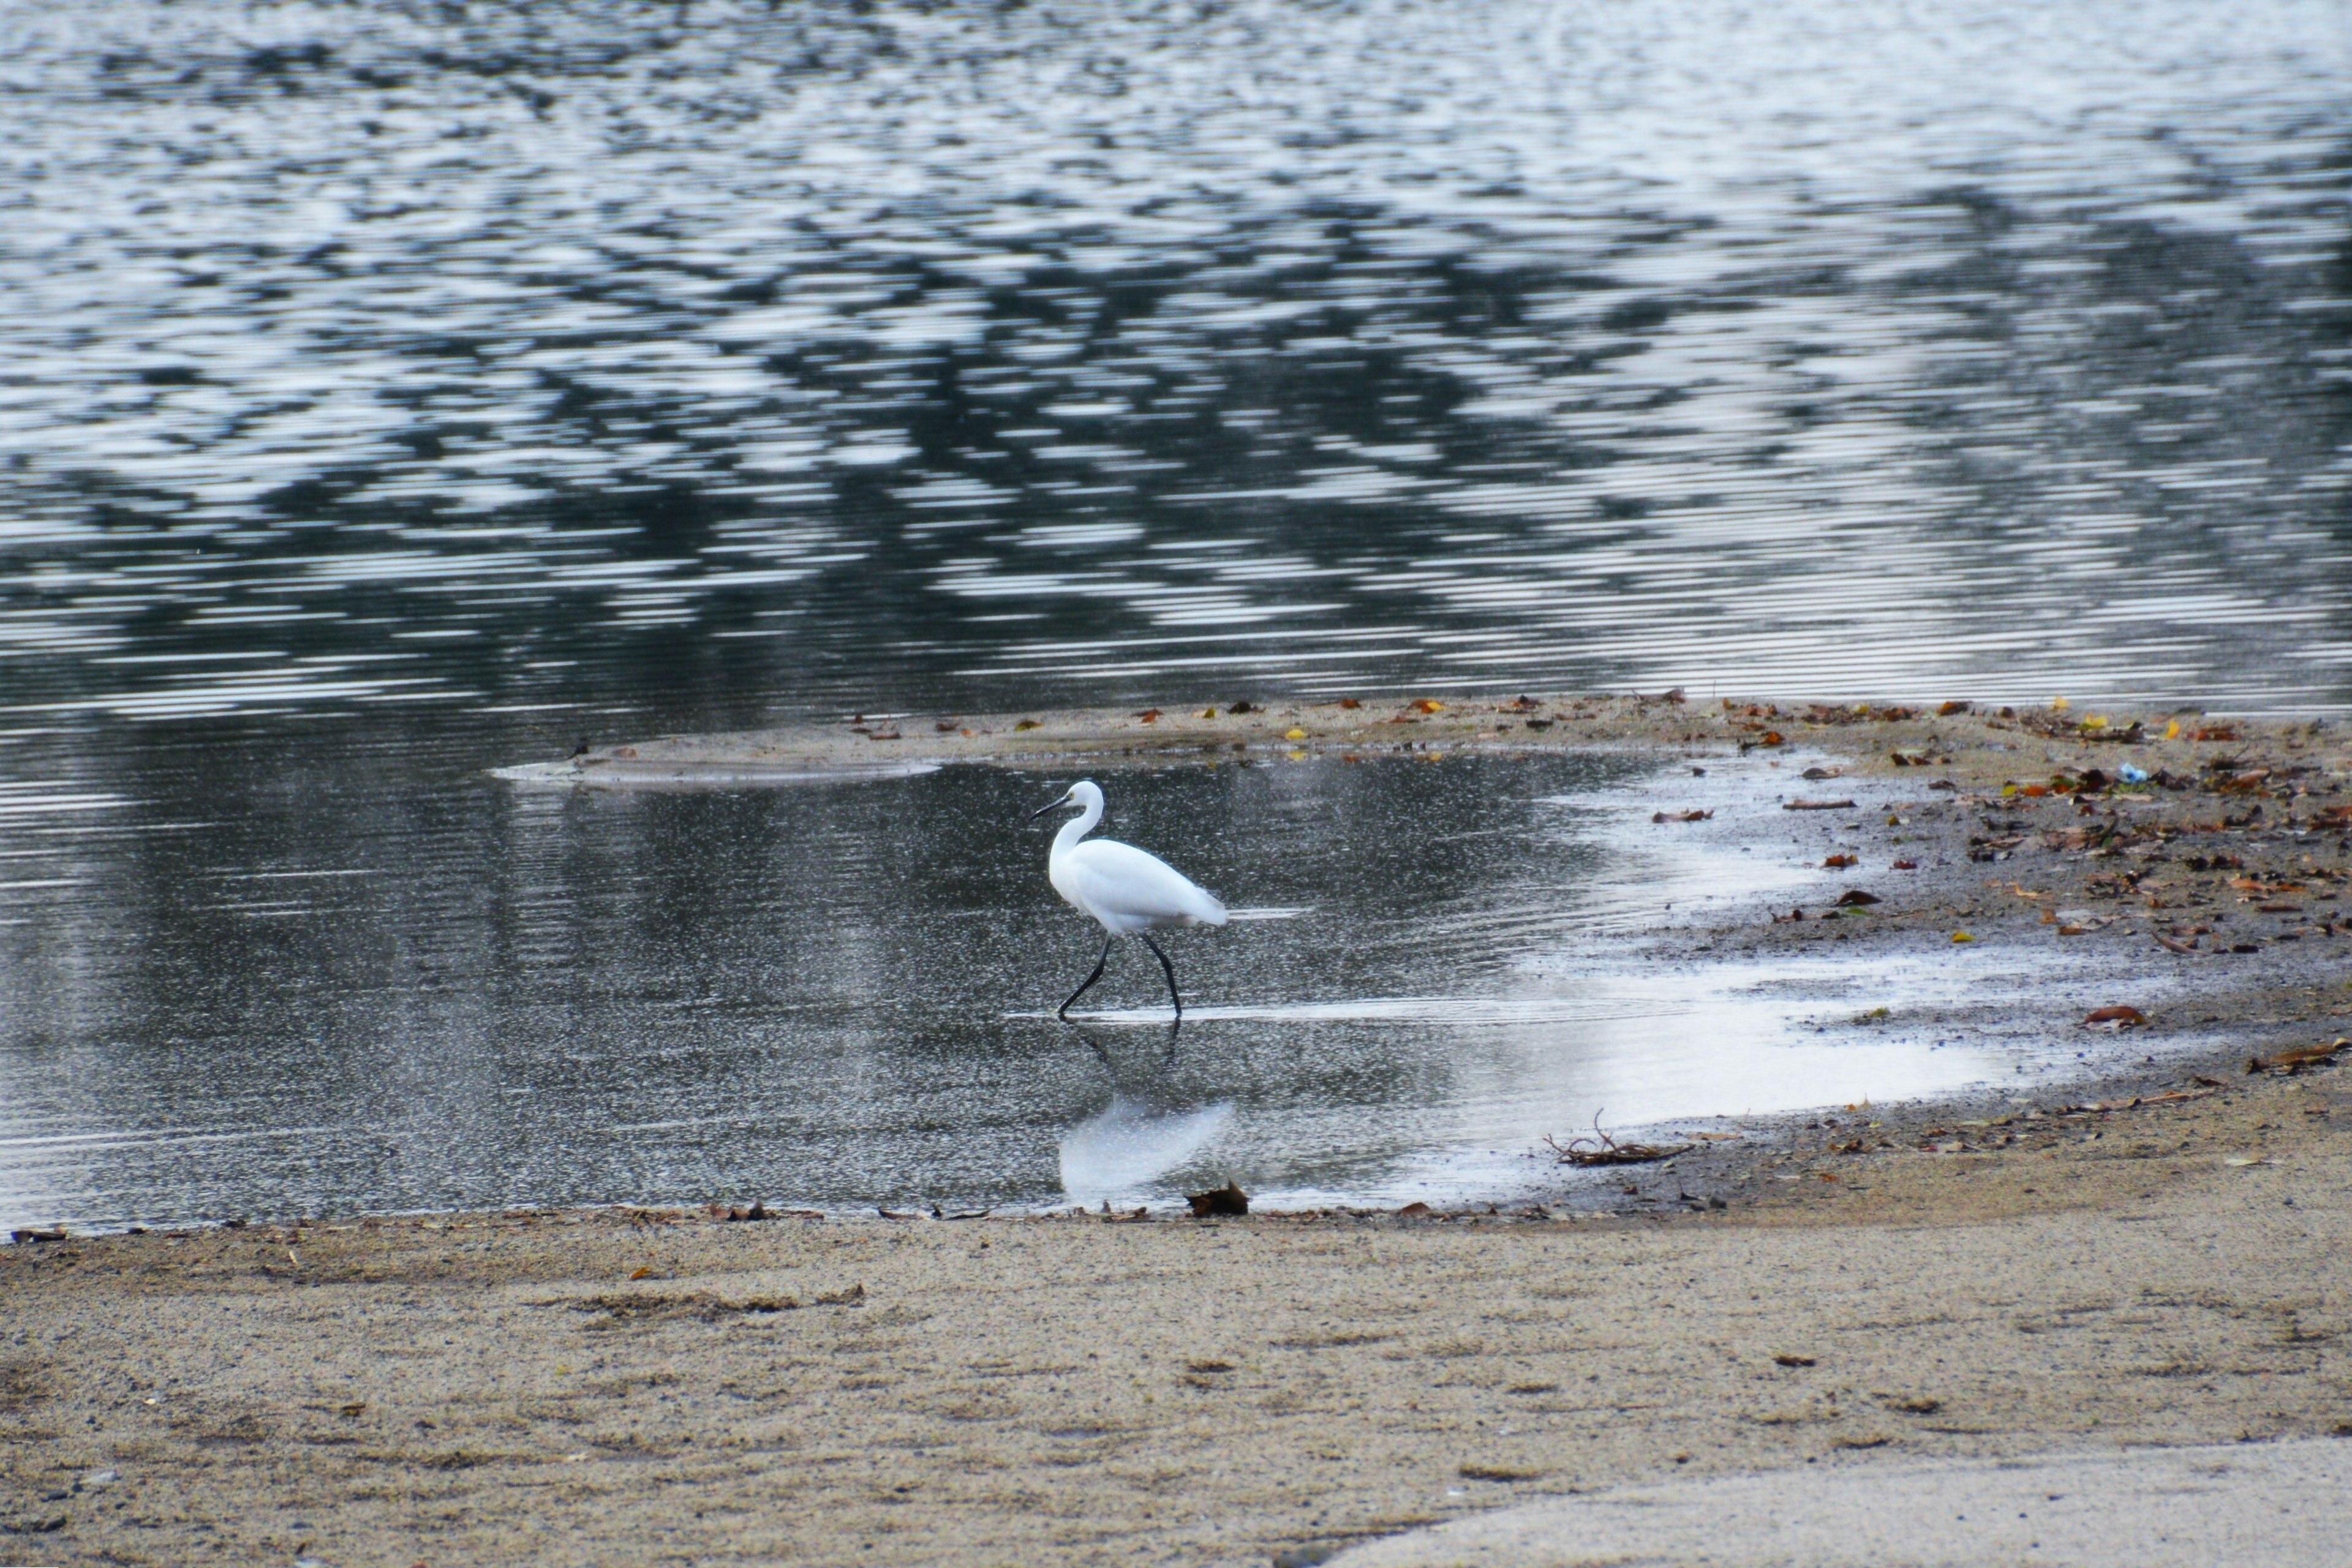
(1124, 889)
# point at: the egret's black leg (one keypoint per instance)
(1169, 968)
(1064, 1011)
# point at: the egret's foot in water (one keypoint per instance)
(1167, 969)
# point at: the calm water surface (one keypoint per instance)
(395, 390)
(398, 997)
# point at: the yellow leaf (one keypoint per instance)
(2172, 730)
(1962, 936)
(2095, 721)
(2058, 702)
(1208, 712)
(1294, 734)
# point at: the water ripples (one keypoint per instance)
(389, 354)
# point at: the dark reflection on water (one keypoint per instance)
(724, 356)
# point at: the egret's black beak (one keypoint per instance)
(1049, 806)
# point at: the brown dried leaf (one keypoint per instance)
(1228, 1199)
(2301, 1056)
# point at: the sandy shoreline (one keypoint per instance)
(608, 1386)
(2003, 1273)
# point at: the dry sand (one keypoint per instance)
(1909, 1282)
(505, 1390)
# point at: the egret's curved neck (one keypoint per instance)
(1079, 826)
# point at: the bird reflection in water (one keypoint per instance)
(1152, 1126)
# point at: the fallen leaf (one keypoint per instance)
(354, 1407)
(1948, 708)
(1029, 724)
(1228, 1199)
(1150, 715)
(1823, 773)
(1208, 712)
(2170, 944)
(1428, 705)
(2116, 1017)
(2298, 1058)
(1905, 866)
(1241, 708)
(645, 1273)
(1415, 1211)
(1793, 1360)
(1680, 816)
(1817, 805)
(1499, 1472)
(1962, 936)
(1350, 703)
(2243, 1160)
(2217, 732)
(1839, 862)
(1293, 733)
(1771, 738)
(1854, 898)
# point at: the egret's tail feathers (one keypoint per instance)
(1207, 911)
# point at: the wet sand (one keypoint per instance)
(2156, 1256)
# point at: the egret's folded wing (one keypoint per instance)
(1120, 880)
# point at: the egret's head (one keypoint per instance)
(1082, 796)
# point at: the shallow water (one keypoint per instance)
(842, 995)
(396, 390)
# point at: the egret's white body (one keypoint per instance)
(1127, 890)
